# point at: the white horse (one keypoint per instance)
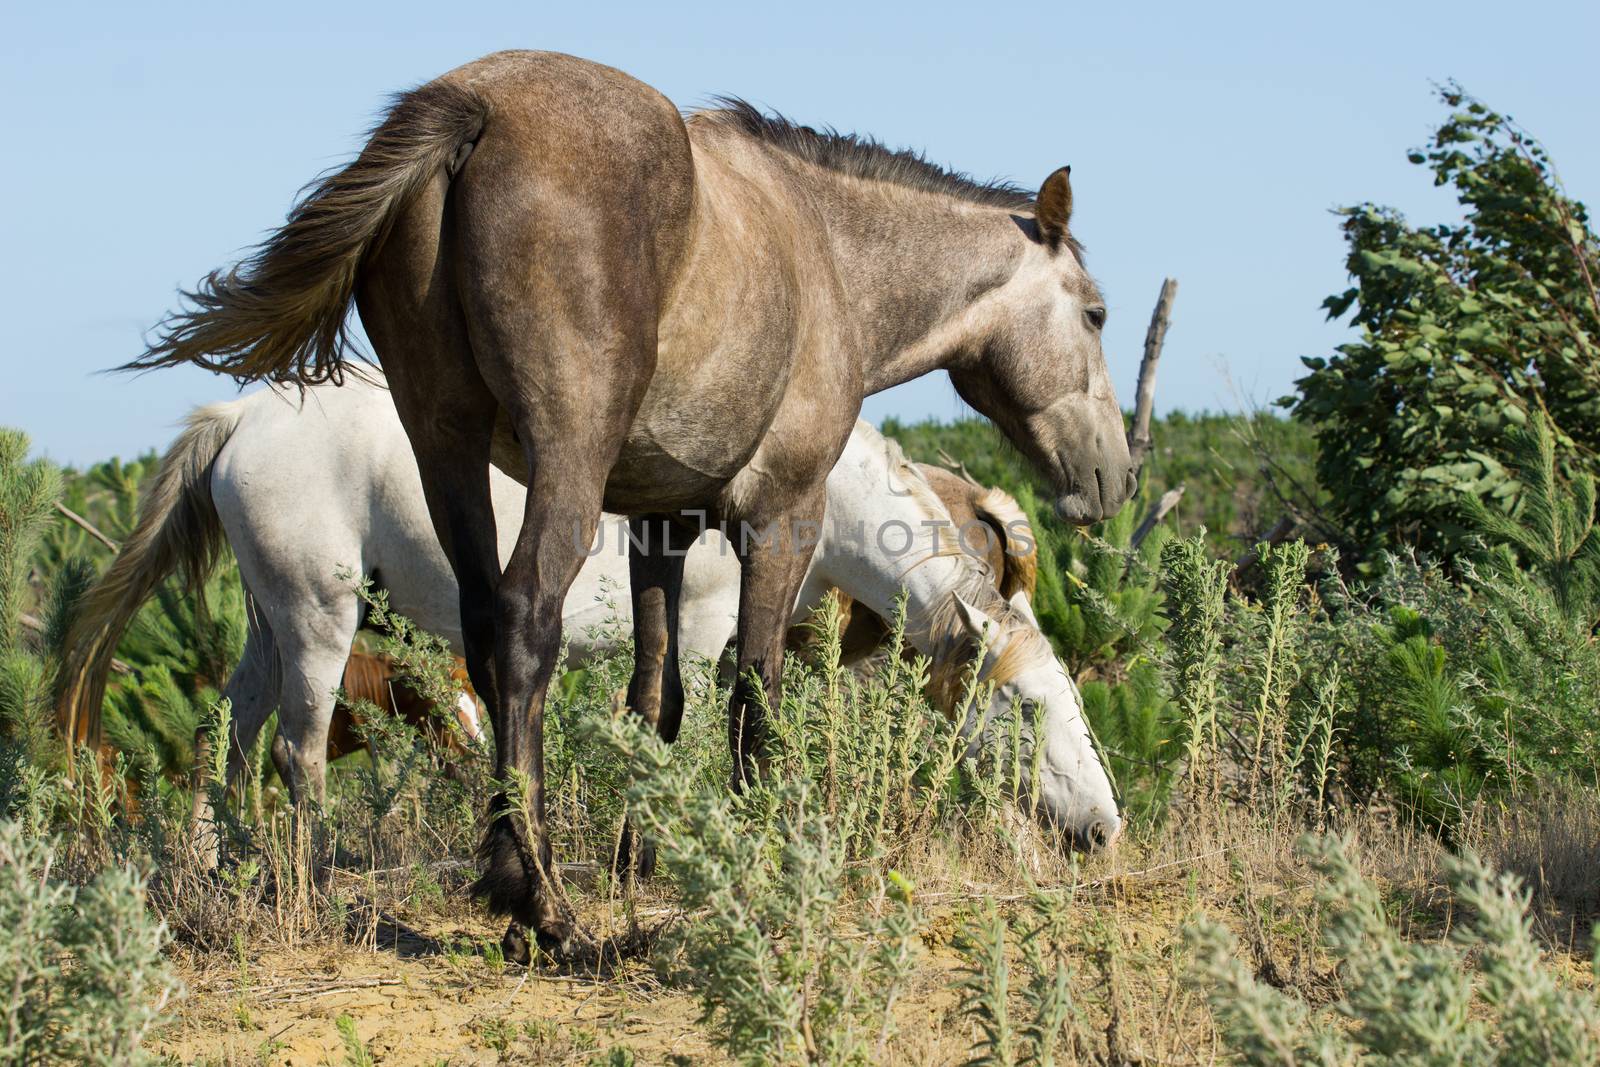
(306, 488)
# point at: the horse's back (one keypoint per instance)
(576, 142)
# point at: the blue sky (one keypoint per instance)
(149, 143)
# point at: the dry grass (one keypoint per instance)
(349, 936)
(426, 986)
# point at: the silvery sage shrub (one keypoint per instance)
(81, 965)
(1480, 997)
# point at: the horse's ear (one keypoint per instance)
(1053, 209)
(972, 616)
(1021, 605)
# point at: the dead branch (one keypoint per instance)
(1145, 394)
(1284, 530)
(87, 526)
(1168, 501)
(37, 626)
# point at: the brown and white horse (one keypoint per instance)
(630, 310)
(373, 679)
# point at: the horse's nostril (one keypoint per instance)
(1100, 834)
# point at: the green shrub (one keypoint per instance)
(1467, 329)
(1049, 1021)
(1196, 588)
(82, 966)
(1410, 1002)
(29, 646)
(784, 971)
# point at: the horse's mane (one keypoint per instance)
(999, 507)
(1020, 643)
(900, 465)
(863, 156)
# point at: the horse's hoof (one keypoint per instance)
(514, 946)
(554, 936)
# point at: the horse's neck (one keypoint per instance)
(913, 265)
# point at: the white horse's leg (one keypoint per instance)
(252, 694)
(313, 648)
(709, 604)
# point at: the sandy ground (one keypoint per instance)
(418, 1002)
(426, 995)
(427, 1008)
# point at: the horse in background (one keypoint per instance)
(302, 488)
(986, 522)
(371, 678)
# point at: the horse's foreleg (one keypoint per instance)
(773, 558)
(655, 573)
(656, 551)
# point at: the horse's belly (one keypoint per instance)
(700, 423)
(658, 483)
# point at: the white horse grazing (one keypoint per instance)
(304, 489)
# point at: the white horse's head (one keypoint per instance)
(1072, 790)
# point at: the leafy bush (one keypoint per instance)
(29, 646)
(1485, 680)
(1051, 1022)
(796, 953)
(1467, 329)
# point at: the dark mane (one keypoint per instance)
(863, 156)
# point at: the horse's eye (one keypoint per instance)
(1096, 316)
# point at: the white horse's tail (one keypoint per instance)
(178, 529)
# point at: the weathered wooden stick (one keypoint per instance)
(1168, 501)
(1145, 394)
(87, 526)
(1283, 530)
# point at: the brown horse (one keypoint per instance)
(632, 310)
(368, 679)
(374, 679)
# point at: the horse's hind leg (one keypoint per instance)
(570, 398)
(657, 549)
(410, 311)
(252, 694)
(658, 545)
(313, 652)
(536, 286)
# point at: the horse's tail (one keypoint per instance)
(1000, 510)
(281, 314)
(178, 529)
